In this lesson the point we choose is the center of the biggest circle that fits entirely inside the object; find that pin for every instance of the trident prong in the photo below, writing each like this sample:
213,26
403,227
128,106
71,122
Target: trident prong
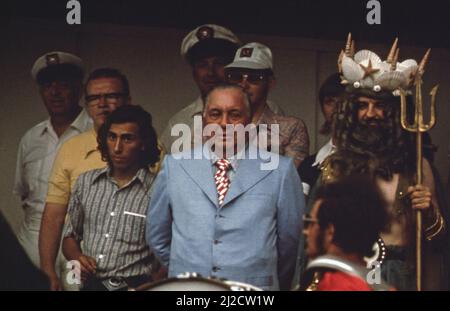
418,127
419,124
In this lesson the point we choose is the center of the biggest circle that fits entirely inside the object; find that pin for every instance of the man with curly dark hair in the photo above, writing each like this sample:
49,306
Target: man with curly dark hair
108,206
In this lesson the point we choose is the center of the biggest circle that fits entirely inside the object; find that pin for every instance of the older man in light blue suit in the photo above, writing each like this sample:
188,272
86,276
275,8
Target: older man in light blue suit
252,234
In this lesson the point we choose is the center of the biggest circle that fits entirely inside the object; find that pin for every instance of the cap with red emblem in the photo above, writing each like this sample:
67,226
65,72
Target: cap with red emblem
57,63
253,55
209,40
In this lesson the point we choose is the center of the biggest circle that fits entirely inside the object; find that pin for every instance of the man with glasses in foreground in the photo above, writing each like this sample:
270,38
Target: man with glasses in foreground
105,90
344,224
252,69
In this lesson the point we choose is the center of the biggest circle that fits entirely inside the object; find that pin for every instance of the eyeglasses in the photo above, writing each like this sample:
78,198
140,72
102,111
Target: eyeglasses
308,220
253,78
109,98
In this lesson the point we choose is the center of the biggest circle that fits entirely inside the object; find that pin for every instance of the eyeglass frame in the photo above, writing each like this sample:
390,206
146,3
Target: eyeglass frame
113,98
308,220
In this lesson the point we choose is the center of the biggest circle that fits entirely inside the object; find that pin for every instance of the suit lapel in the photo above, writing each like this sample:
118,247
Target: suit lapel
200,172
248,174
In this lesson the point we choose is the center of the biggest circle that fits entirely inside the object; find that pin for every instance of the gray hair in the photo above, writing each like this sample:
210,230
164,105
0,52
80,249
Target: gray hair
221,87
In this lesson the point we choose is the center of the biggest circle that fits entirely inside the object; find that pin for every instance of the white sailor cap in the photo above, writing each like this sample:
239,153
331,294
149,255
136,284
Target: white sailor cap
56,58
205,33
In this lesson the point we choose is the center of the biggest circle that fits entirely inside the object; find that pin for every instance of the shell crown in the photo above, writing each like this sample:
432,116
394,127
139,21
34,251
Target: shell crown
365,69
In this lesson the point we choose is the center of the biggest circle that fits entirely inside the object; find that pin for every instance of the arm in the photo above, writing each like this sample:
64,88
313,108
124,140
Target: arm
20,187
159,218
73,234
424,197
53,217
72,251
290,208
49,239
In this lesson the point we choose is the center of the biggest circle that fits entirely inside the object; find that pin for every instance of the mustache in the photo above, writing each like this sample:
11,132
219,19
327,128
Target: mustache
372,121
371,135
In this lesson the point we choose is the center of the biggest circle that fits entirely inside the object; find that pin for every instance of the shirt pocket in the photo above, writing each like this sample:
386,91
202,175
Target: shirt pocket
134,227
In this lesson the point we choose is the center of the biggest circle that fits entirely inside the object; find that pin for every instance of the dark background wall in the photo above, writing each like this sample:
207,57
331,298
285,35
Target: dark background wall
142,38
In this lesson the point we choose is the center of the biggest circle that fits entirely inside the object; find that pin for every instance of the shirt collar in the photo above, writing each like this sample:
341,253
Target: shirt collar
266,116
47,127
143,176
81,123
198,107
324,152
100,173
234,160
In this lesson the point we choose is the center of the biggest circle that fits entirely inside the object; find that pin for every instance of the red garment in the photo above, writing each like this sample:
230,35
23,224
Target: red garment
340,281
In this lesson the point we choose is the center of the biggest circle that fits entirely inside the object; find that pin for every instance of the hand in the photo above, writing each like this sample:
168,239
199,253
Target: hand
159,274
88,266
420,196
55,283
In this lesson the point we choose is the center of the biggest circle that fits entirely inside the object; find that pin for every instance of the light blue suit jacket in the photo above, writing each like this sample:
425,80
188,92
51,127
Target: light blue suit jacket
253,237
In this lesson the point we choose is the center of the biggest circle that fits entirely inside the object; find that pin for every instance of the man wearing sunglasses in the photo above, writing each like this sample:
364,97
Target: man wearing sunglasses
105,90
252,69
208,49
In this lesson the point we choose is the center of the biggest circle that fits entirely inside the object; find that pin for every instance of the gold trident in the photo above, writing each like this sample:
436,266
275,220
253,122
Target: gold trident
419,127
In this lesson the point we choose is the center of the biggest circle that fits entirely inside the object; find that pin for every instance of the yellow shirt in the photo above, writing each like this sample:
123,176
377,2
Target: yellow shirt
77,156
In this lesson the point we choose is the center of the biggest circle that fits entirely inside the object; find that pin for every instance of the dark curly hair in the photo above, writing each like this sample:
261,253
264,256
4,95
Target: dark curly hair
357,209
377,152
132,114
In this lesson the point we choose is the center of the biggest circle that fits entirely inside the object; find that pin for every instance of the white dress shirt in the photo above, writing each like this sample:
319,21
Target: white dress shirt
37,151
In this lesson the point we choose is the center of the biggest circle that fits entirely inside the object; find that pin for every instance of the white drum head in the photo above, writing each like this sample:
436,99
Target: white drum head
186,284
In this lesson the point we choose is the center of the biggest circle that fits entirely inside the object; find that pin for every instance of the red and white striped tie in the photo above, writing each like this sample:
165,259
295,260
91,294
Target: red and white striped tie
221,178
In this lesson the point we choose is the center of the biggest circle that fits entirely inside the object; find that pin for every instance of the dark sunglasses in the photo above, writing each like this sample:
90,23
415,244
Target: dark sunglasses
238,77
